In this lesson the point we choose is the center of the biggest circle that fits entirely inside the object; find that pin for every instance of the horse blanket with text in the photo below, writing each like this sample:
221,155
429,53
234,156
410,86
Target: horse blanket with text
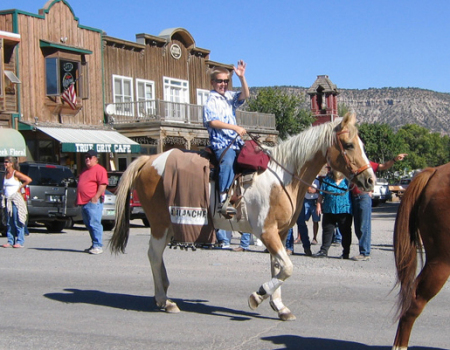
186,188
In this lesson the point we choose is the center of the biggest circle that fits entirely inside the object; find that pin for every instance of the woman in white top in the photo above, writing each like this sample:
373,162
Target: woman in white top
15,208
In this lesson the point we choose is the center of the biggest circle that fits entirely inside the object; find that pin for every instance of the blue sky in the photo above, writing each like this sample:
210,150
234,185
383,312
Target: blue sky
358,43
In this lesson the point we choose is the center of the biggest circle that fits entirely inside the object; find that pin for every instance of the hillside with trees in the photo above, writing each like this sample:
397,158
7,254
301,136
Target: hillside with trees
387,125
393,106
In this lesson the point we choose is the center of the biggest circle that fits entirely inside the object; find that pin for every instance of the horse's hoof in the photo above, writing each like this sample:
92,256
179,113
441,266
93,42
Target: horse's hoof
286,316
254,300
171,307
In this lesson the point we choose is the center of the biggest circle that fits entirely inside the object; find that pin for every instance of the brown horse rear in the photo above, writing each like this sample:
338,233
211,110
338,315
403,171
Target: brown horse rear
423,218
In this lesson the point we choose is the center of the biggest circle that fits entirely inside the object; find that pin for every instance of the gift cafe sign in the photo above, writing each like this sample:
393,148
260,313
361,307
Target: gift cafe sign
103,148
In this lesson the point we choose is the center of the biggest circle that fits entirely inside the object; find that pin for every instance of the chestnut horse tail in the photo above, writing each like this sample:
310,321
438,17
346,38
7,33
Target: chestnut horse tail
121,231
407,239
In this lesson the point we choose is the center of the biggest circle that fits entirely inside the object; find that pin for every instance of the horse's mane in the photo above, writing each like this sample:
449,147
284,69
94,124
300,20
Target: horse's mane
296,150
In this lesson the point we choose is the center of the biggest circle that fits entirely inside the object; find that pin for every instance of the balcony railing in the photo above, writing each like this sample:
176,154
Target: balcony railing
173,112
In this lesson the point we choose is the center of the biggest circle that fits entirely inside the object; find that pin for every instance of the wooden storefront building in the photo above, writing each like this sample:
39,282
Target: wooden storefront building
132,98
156,87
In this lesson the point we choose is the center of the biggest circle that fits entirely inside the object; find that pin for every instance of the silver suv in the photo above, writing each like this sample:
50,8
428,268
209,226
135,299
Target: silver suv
51,196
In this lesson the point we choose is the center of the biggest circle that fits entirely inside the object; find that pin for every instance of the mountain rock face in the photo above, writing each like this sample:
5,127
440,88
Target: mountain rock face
393,106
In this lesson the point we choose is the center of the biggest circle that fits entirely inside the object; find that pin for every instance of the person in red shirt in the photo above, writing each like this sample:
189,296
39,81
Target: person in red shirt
362,211
91,188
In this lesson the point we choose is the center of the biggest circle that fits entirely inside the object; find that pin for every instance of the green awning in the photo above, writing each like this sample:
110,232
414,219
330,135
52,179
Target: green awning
12,143
58,46
82,140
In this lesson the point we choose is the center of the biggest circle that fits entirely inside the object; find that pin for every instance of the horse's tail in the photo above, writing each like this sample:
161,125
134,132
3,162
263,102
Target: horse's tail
407,239
121,230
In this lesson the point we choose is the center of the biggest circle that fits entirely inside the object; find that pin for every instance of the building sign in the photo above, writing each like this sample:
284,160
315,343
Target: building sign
175,51
100,148
13,152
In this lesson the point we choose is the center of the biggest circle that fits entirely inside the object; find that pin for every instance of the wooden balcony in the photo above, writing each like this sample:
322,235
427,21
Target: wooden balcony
158,111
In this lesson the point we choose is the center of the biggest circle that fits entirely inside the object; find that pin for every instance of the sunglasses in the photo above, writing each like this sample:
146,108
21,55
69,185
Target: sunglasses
6,161
220,81
88,157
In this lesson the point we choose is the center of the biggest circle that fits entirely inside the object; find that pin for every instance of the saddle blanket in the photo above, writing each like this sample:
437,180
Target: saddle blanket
186,188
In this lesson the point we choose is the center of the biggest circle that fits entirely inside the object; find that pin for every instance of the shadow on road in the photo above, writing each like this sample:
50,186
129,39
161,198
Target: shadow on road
147,304
385,211
297,342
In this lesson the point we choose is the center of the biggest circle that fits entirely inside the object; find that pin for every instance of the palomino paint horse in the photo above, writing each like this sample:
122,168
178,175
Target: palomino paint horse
423,221
272,206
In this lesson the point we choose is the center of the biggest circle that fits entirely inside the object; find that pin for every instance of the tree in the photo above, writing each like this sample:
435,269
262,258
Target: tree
290,117
343,109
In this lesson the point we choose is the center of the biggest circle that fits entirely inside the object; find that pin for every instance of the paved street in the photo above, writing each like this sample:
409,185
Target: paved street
55,296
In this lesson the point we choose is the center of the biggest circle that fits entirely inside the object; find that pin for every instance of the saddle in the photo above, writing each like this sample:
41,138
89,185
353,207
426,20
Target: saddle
243,175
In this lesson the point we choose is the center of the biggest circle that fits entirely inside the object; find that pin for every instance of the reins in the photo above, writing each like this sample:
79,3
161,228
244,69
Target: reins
348,164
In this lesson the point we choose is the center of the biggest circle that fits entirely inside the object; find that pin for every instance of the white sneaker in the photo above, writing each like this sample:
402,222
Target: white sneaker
96,251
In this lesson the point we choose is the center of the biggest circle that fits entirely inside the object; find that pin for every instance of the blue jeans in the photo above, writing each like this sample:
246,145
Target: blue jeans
337,237
226,170
308,210
14,229
362,212
245,240
290,240
92,218
222,237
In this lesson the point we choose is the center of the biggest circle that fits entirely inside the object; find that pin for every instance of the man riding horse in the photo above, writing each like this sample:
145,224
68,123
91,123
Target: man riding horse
219,118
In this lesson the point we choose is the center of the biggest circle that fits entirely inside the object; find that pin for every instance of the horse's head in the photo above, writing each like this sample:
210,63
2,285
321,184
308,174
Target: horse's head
347,154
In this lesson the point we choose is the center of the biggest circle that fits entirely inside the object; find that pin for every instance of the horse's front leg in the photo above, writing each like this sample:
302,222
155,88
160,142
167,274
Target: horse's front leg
275,299
281,267
160,279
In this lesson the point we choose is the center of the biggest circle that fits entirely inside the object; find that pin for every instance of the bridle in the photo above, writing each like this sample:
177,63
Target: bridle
348,164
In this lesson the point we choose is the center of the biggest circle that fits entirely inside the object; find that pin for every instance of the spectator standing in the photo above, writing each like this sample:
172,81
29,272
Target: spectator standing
223,238
244,244
308,210
219,117
362,211
290,242
14,206
91,189
335,204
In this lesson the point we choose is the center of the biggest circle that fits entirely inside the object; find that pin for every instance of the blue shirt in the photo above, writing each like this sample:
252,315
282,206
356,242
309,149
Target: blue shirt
223,108
336,204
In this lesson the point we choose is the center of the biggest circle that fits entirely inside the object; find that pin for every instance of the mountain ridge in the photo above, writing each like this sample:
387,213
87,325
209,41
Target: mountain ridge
393,106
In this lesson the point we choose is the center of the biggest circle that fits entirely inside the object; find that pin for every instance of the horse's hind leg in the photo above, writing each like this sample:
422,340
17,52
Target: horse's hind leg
160,279
428,284
281,267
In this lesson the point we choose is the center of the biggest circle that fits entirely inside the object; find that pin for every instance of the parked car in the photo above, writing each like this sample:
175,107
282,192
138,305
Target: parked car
400,188
381,192
51,196
108,214
135,205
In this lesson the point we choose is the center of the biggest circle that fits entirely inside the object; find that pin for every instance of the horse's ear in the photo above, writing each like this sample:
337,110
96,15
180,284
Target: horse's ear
349,119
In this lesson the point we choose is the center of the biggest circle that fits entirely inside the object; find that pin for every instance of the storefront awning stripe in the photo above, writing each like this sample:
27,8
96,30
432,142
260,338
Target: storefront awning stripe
82,140
12,143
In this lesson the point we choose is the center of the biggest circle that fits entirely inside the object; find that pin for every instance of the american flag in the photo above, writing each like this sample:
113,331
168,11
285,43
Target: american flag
70,96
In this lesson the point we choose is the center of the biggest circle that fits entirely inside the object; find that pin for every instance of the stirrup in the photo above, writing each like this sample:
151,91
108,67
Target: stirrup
226,209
